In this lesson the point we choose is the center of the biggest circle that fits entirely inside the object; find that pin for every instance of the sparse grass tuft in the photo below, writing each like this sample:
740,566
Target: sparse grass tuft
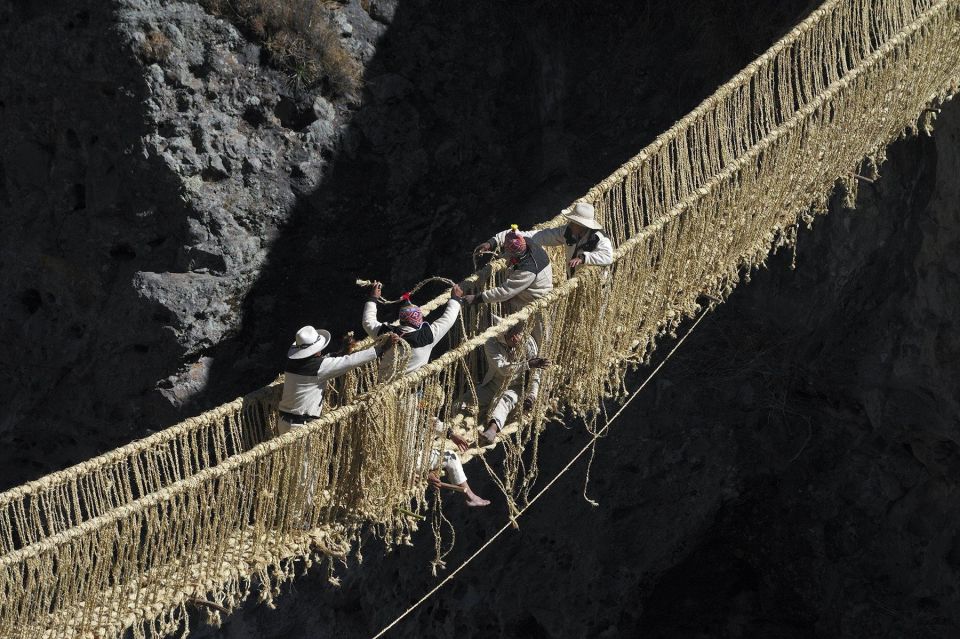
299,38
156,47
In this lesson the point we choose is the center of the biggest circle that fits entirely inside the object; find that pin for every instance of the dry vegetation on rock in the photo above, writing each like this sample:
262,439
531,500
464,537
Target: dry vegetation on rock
156,47
299,38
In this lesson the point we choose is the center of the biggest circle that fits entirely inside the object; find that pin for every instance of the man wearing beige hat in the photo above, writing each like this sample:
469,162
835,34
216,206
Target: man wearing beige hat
582,235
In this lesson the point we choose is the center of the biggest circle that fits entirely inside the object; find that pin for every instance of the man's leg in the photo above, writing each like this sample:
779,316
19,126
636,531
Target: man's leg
455,475
484,397
498,418
308,481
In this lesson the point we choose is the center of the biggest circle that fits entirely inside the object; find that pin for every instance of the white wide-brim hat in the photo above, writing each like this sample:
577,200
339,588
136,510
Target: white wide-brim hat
309,342
583,214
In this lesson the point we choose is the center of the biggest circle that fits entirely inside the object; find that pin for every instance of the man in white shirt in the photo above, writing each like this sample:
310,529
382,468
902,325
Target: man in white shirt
422,336
305,378
582,236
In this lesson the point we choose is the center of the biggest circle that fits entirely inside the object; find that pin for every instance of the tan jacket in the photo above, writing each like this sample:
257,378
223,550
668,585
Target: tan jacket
529,280
505,365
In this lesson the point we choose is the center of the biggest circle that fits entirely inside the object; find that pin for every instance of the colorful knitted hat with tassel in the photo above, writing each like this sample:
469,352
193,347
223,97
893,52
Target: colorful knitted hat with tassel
410,314
514,244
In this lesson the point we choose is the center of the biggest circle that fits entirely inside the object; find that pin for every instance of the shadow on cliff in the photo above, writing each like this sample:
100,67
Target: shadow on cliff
473,118
83,213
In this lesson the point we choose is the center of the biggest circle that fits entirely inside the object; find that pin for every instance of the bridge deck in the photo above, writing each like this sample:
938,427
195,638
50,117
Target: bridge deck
239,556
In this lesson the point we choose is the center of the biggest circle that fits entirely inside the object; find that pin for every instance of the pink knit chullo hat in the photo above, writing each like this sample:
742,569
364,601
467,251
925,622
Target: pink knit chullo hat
410,314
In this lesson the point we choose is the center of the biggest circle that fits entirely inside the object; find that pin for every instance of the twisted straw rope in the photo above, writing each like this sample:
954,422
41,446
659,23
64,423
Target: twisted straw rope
419,285
155,441
511,522
413,378
668,285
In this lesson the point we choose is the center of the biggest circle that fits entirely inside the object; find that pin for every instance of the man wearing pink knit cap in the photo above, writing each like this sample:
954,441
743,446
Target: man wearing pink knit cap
422,336
529,276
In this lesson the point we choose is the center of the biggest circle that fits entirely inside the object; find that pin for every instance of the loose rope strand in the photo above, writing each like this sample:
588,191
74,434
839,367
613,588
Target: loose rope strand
512,521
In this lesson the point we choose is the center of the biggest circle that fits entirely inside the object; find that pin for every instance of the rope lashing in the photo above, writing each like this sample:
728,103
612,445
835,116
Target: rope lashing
512,521
419,285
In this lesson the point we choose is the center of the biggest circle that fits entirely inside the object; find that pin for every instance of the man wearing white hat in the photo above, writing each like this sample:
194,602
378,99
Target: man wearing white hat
305,378
306,374
582,236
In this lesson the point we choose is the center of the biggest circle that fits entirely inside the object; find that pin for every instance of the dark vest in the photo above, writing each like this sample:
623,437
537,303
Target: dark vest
534,260
423,336
588,246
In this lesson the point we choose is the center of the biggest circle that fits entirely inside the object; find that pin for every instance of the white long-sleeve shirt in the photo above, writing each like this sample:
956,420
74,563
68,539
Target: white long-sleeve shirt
599,255
420,355
305,379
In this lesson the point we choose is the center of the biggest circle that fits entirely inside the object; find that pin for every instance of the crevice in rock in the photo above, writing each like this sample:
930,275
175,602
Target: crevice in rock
31,300
293,115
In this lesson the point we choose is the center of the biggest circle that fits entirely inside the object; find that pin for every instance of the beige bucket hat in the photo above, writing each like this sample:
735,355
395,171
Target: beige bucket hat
583,214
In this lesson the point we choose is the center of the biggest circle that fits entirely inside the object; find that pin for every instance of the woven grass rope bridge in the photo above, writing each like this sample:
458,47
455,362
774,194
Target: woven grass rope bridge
211,509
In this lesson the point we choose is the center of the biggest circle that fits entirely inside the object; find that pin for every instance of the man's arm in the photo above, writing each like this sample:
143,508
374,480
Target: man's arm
516,282
548,237
538,364
371,325
370,322
499,360
443,325
331,367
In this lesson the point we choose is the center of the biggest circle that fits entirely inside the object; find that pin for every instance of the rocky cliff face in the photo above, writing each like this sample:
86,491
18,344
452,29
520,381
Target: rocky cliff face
175,209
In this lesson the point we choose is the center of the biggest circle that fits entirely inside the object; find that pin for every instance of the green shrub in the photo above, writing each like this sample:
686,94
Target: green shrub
299,38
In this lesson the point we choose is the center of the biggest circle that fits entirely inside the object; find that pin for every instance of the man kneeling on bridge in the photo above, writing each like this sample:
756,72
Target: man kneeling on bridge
508,356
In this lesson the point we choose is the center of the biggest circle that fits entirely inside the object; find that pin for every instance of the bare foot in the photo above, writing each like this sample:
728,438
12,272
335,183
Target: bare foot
476,501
